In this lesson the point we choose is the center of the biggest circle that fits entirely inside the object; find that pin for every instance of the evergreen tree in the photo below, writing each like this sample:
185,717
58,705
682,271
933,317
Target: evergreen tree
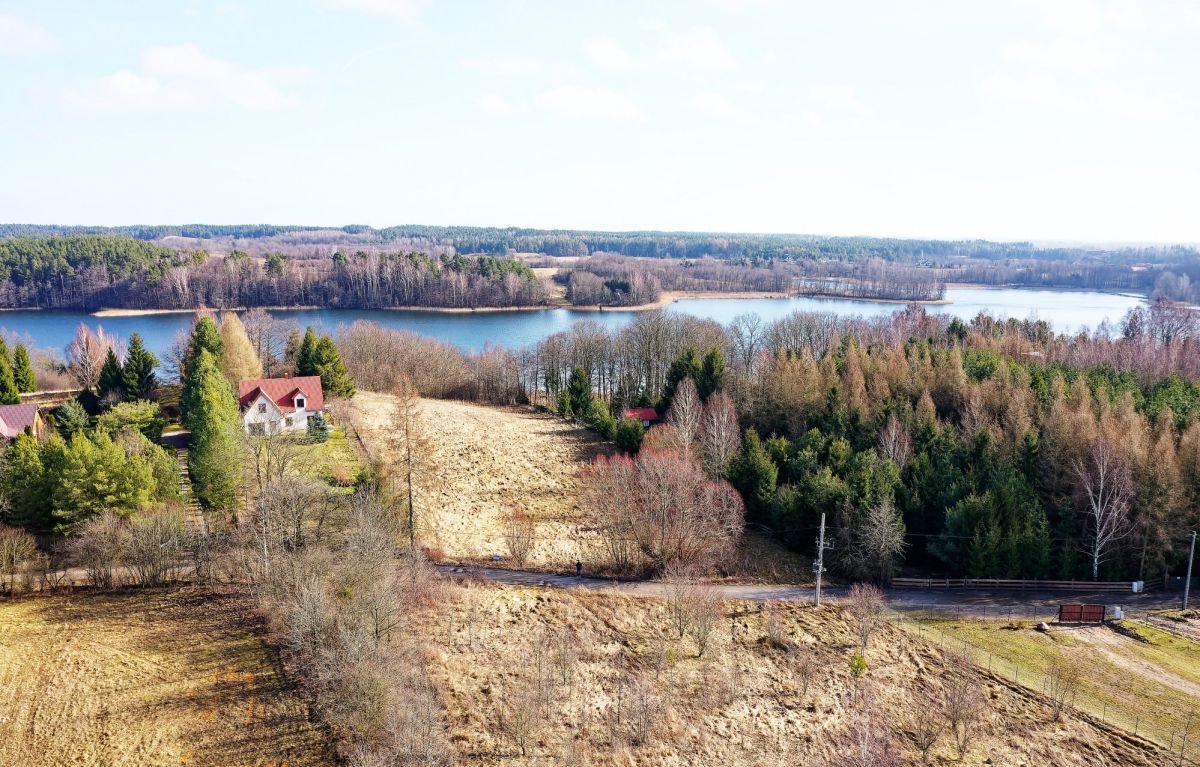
98,475
71,419
141,416
24,485
598,419
306,355
239,361
754,474
712,374
205,338
9,394
327,363
215,453
318,428
629,434
579,389
111,384
23,374
687,365
138,375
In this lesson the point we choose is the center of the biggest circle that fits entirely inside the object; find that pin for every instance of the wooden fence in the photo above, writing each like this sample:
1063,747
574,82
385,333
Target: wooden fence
1015,585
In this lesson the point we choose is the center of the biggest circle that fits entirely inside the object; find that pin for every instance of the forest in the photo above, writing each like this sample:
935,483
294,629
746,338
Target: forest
460,267
97,271
982,449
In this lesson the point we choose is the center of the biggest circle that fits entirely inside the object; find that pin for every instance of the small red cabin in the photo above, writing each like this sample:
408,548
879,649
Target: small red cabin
647,415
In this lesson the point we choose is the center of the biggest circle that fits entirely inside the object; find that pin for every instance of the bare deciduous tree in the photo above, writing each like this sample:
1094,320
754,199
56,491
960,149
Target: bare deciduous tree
17,549
686,414
99,547
1105,484
865,606
962,704
894,443
155,546
519,534
720,437
1063,677
86,353
924,726
412,452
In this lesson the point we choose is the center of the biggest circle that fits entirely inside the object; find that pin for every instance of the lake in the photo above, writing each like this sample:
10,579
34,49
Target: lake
1067,311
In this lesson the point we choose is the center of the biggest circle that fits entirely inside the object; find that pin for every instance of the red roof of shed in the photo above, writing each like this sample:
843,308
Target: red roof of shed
283,391
641,414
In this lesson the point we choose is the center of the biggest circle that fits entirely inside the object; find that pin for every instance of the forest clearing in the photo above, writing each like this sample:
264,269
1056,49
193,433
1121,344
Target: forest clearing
147,678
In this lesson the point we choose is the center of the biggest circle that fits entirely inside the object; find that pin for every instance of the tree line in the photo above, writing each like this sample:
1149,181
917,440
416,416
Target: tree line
90,271
971,449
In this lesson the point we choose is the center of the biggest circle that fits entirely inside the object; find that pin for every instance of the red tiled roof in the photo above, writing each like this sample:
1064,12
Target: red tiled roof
14,419
641,414
283,391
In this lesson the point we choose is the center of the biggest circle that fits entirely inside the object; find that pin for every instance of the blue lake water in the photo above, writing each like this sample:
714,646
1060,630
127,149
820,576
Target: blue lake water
1066,311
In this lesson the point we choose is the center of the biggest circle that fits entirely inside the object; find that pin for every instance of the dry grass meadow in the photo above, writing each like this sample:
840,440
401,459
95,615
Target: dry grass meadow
486,460
146,678
611,683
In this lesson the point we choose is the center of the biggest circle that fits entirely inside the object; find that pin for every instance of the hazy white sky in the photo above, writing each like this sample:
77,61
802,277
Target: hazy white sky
1041,119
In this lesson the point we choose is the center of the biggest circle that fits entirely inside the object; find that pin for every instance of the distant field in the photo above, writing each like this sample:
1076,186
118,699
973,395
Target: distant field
145,679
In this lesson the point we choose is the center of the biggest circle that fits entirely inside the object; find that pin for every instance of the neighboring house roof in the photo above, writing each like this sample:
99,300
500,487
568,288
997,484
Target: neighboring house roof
14,419
283,392
641,414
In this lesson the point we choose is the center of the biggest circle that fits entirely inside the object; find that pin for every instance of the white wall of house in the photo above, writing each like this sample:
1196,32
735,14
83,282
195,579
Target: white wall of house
263,417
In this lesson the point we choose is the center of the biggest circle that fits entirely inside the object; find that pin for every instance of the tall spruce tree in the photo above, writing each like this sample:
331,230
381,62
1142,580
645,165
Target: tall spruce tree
215,452
205,338
23,374
306,356
712,374
327,363
686,365
9,394
138,376
111,383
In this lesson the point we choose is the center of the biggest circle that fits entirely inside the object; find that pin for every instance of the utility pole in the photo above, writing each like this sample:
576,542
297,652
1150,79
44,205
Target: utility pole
819,565
1187,584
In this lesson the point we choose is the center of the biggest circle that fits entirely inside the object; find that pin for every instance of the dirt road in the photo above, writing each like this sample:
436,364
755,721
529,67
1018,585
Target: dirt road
983,603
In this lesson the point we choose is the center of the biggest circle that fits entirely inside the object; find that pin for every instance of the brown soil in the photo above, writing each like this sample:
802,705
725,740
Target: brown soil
147,678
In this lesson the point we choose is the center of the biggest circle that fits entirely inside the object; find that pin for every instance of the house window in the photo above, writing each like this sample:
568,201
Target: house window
299,403
288,421
262,407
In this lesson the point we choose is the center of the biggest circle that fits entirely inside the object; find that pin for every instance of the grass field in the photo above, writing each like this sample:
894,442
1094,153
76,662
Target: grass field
613,665
1151,684
146,678
486,460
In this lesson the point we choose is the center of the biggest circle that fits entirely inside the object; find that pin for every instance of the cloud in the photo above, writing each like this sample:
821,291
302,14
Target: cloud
503,65
841,99
1087,17
183,78
496,105
698,49
1070,54
599,103
607,53
1131,105
404,10
717,105
21,37
1030,89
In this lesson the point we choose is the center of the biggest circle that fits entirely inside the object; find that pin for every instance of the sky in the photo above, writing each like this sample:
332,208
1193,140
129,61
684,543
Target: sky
1047,120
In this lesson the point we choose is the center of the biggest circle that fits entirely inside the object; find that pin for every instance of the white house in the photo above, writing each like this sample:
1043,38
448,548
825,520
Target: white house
273,405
